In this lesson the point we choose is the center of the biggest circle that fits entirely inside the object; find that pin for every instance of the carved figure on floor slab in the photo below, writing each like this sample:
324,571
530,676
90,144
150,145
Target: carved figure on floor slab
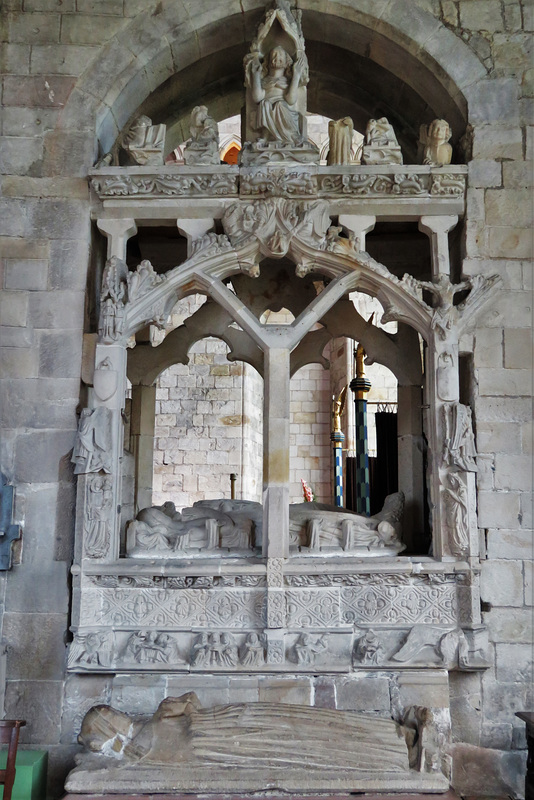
340,134
381,145
204,145
182,735
434,141
145,142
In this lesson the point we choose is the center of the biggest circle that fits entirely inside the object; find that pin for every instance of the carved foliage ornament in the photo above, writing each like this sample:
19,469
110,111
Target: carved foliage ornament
166,185
274,222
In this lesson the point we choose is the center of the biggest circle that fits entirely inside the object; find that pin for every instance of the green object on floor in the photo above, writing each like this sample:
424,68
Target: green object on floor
30,778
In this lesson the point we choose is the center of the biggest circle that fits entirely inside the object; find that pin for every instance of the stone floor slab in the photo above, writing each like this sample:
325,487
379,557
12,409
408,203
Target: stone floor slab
450,795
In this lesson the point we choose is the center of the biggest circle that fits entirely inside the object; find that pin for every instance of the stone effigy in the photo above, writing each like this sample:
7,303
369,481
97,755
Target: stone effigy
381,145
242,746
212,526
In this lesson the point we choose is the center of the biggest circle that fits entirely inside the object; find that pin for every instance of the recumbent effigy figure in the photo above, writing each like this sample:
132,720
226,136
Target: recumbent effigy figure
236,525
184,744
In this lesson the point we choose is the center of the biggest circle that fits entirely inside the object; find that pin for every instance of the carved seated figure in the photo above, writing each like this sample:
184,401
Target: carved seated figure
204,145
145,142
381,145
183,742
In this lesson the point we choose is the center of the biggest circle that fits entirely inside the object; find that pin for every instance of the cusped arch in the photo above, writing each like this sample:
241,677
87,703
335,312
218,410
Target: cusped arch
205,274
165,53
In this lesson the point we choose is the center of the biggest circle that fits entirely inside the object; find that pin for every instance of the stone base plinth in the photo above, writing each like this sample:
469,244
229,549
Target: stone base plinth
450,795
243,780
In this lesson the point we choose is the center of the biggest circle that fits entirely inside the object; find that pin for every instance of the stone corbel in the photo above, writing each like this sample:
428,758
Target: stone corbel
117,232
437,229
194,229
358,226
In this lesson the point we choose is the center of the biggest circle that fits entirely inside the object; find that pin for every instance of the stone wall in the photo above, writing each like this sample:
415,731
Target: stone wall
71,67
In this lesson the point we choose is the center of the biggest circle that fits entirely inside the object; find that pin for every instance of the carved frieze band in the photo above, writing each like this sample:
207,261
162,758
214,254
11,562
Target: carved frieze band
165,185
284,182
147,601
151,649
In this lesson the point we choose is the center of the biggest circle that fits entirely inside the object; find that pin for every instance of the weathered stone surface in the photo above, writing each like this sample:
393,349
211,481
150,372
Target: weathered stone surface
60,354
210,690
74,188
498,509
25,274
137,694
59,309
517,348
20,156
41,634
62,397
499,773
501,583
514,662
509,544
285,690
362,694
68,264
14,309
89,29
43,457
20,363
509,624
39,703
42,92
81,693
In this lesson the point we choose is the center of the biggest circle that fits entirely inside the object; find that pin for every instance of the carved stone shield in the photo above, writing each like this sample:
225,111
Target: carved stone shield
105,383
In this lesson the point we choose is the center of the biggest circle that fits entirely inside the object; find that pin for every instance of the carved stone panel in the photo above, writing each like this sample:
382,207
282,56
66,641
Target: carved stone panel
384,601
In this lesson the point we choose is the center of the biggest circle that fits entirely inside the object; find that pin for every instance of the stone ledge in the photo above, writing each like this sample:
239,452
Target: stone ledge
450,795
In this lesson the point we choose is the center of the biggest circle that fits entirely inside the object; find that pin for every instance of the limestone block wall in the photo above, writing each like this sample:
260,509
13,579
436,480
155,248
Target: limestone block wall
70,66
208,425
310,433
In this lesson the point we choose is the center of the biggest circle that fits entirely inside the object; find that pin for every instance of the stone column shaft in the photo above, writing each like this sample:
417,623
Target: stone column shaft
142,424
276,453
410,460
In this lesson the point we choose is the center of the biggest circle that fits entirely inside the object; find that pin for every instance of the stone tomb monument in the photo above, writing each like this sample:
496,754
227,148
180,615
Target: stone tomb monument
282,616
